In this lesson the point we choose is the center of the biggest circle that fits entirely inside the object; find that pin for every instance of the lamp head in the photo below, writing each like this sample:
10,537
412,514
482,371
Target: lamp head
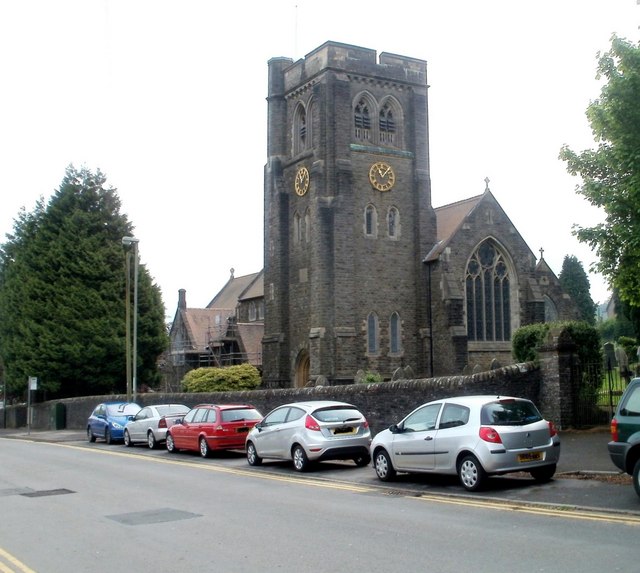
127,241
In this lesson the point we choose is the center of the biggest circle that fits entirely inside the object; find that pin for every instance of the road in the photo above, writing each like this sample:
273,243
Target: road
77,507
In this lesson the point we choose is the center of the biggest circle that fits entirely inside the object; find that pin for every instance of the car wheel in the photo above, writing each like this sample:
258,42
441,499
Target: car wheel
171,445
127,439
252,455
636,477
151,441
543,474
471,473
205,450
107,436
90,435
362,461
300,459
384,469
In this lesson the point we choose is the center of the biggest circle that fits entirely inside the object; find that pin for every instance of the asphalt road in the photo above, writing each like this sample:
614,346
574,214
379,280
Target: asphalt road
75,506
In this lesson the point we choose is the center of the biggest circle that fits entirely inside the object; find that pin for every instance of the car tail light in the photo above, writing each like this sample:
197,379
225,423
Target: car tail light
552,430
488,434
614,430
365,424
162,423
311,424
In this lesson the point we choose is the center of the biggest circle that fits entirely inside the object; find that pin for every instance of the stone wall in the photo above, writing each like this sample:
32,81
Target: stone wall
383,404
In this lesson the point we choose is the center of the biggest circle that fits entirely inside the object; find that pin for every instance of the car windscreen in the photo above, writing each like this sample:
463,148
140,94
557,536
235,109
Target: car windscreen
241,415
509,413
339,414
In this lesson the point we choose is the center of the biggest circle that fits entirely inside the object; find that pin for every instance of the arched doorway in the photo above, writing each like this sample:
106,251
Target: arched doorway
302,369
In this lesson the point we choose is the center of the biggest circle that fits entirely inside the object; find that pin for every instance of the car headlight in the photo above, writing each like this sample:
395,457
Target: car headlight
116,426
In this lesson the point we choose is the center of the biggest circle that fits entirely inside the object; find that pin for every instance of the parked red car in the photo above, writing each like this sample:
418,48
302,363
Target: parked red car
210,427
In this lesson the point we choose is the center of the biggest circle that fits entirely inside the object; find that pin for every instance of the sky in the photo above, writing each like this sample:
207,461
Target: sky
168,99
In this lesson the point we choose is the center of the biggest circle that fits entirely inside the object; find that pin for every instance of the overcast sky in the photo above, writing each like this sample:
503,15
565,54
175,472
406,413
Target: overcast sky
167,98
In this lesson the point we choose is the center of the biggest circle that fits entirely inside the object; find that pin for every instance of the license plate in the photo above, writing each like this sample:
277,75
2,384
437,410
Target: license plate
530,457
343,431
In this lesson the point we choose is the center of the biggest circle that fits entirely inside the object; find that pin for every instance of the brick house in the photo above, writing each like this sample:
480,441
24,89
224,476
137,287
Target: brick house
227,331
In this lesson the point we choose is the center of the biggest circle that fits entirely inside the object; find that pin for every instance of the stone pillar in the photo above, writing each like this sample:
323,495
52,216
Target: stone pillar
558,389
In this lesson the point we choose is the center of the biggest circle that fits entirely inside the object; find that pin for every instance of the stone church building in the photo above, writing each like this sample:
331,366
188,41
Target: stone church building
361,272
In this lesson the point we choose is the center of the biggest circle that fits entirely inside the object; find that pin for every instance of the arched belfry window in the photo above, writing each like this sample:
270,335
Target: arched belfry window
372,333
390,122
488,294
362,120
387,125
299,135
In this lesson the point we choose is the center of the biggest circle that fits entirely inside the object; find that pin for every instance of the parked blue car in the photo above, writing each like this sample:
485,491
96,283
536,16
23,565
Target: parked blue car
107,421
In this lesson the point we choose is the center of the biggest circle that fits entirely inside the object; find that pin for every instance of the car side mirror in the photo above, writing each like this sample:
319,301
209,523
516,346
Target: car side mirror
395,429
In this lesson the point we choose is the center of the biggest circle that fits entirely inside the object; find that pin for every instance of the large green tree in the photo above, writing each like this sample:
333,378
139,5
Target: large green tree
610,174
62,295
575,282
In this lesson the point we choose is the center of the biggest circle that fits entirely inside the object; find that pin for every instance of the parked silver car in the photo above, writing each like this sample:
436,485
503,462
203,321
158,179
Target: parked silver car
471,436
151,423
313,431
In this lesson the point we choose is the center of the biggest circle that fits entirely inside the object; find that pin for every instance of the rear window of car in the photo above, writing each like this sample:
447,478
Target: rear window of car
631,406
241,415
339,414
509,413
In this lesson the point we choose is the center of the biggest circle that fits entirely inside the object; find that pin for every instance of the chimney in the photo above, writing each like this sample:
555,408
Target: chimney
182,299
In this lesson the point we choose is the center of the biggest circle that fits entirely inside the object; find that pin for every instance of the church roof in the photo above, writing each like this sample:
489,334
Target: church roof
449,218
204,324
238,288
250,335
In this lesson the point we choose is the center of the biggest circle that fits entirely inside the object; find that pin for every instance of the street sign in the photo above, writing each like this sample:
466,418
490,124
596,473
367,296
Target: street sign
33,383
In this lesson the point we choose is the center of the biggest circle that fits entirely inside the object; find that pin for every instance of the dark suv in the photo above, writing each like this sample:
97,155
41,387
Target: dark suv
624,447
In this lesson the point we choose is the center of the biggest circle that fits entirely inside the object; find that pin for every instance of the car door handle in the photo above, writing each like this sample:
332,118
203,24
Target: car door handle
428,438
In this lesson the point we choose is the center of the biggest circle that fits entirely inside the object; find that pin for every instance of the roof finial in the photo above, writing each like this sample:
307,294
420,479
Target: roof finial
232,270
541,253
486,182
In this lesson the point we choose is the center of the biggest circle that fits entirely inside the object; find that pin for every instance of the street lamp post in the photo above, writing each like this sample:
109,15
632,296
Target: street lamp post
132,362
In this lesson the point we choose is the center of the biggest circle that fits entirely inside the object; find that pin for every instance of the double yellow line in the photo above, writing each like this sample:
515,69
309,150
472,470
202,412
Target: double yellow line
9,564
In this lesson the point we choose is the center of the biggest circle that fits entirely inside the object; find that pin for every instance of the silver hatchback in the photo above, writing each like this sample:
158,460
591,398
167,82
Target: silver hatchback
312,431
471,436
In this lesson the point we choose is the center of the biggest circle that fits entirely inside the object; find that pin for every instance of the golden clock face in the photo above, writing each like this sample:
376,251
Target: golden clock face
302,181
382,176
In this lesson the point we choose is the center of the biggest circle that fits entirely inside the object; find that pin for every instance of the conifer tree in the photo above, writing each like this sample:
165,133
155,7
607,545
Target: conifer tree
62,295
574,282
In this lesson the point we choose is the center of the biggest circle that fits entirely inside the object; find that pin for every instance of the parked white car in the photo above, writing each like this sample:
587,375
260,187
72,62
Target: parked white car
471,436
313,431
150,424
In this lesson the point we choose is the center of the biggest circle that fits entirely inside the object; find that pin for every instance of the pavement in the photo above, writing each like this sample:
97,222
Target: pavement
583,451
585,479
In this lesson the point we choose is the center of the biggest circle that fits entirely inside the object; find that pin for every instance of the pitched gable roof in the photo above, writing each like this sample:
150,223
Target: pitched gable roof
237,289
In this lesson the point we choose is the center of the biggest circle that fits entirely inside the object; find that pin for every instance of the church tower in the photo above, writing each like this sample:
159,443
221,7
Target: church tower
347,217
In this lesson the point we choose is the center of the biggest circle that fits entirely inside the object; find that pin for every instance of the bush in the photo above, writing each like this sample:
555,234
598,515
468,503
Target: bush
527,339
630,346
230,378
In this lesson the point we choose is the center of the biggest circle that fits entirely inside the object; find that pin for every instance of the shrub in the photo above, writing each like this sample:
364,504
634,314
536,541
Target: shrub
230,378
527,339
630,346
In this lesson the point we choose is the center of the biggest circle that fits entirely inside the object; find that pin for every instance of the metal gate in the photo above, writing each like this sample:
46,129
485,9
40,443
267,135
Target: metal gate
597,391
